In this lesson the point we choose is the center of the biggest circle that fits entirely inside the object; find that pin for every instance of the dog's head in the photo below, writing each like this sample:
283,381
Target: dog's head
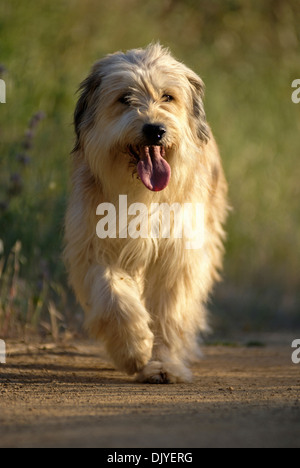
139,109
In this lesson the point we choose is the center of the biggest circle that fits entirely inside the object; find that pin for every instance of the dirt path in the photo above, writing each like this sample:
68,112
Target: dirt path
68,396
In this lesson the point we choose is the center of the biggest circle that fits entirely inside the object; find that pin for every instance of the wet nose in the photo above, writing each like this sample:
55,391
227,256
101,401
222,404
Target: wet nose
153,133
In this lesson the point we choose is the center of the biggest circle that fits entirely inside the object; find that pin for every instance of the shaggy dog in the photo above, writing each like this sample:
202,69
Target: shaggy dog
142,133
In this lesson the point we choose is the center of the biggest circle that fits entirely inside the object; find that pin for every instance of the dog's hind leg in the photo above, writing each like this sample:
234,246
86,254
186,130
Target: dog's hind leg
118,317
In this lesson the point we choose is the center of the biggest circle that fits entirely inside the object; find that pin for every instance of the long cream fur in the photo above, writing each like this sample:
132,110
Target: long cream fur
144,298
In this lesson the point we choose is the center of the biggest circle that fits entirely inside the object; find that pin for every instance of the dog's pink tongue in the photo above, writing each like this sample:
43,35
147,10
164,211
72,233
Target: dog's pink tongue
153,169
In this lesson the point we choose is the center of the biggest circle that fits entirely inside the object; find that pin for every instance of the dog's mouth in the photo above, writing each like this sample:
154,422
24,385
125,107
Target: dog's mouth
153,170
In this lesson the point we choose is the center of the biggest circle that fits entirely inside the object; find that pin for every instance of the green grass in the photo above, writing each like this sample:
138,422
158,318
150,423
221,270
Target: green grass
248,55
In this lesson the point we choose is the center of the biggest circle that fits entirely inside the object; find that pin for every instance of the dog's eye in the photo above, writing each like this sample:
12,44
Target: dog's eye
167,98
125,99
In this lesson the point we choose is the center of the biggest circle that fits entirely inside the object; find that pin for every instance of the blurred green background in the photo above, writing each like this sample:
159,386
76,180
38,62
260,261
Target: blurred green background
246,51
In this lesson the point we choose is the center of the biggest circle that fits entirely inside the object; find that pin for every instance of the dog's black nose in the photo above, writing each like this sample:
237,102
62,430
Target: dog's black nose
153,133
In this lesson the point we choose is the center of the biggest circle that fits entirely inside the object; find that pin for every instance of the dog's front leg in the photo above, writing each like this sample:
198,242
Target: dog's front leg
118,317
177,315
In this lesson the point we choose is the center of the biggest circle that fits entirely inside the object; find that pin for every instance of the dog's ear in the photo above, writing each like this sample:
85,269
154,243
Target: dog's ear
197,88
85,108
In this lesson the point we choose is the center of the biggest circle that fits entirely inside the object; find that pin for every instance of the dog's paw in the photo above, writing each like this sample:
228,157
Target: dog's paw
132,365
156,372
132,359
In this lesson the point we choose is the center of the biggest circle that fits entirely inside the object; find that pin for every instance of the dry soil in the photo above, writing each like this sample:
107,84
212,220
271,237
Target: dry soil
68,395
